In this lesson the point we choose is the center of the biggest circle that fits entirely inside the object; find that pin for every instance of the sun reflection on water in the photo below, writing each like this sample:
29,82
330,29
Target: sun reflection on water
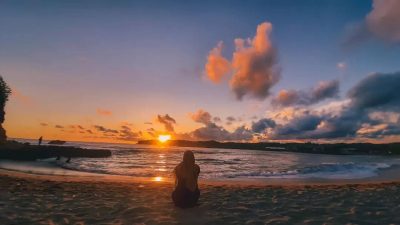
158,179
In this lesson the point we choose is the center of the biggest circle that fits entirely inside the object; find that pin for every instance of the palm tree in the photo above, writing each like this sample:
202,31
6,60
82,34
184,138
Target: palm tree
5,92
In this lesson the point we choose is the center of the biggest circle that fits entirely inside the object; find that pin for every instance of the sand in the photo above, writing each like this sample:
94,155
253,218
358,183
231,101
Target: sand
36,199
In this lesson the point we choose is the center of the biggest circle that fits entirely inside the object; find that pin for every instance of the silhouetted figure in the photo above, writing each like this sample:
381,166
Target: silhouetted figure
58,157
40,140
186,173
68,160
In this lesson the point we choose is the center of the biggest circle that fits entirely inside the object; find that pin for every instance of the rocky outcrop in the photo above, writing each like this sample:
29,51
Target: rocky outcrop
56,142
19,151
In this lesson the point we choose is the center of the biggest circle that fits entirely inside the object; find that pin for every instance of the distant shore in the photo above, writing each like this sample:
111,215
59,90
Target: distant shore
38,199
315,148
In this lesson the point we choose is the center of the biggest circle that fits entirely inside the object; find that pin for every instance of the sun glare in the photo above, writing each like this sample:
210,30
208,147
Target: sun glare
157,179
164,138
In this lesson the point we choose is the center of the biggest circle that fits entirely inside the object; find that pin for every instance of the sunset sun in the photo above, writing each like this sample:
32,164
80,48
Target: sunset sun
164,138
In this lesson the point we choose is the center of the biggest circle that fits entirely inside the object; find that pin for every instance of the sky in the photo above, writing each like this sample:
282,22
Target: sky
259,70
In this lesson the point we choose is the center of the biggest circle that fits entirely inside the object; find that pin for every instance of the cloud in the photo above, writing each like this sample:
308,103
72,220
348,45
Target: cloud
44,124
323,90
104,112
230,119
124,127
151,132
217,119
167,121
368,130
370,112
355,34
59,126
201,116
105,130
299,127
127,134
254,66
385,117
383,22
217,66
212,131
377,91
262,124
341,65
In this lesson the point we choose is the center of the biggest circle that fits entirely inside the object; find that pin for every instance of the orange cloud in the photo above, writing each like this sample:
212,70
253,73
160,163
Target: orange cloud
217,66
104,112
286,97
254,65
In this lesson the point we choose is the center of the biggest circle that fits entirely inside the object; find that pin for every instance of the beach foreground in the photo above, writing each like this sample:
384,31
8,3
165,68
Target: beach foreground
30,199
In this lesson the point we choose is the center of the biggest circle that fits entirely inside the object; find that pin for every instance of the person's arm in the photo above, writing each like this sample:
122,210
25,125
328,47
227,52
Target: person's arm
197,170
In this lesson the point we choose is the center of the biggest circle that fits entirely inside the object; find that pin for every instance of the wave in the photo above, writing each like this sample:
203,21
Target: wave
323,170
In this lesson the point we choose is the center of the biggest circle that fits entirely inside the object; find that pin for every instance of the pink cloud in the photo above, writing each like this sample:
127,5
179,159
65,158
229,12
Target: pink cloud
384,20
201,116
254,65
217,66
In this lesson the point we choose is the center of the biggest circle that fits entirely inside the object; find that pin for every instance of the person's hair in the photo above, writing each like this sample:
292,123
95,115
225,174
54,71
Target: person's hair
188,159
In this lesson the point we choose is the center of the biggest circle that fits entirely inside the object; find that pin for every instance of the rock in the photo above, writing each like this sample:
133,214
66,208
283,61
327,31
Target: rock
18,151
56,142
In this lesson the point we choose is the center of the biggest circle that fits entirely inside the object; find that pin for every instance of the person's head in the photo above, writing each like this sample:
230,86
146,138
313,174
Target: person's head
188,158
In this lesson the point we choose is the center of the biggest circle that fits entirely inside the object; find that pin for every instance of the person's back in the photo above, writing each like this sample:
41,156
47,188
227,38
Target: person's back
186,173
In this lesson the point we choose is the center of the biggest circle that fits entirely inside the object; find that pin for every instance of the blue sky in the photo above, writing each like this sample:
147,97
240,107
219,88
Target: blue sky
143,58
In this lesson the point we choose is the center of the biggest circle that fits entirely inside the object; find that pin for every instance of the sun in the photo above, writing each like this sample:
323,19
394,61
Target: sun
164,138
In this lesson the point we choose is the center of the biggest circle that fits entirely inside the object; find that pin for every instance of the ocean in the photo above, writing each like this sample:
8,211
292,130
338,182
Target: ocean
216,164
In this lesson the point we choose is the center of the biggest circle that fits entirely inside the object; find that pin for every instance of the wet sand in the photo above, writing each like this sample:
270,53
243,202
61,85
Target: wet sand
37,199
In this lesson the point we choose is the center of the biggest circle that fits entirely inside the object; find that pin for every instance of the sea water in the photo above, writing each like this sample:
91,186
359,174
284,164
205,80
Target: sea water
218,164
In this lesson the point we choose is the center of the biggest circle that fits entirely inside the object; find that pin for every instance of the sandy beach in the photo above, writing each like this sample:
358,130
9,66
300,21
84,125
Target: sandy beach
39,199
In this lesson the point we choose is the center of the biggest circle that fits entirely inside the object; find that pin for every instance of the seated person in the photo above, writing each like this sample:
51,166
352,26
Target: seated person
186,173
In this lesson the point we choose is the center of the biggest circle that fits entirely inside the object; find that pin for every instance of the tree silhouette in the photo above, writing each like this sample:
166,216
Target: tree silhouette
5,92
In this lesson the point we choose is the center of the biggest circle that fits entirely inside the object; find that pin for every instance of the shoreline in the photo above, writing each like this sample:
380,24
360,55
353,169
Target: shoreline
84,177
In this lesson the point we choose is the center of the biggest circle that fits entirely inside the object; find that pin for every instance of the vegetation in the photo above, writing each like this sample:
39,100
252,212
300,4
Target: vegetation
5,92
